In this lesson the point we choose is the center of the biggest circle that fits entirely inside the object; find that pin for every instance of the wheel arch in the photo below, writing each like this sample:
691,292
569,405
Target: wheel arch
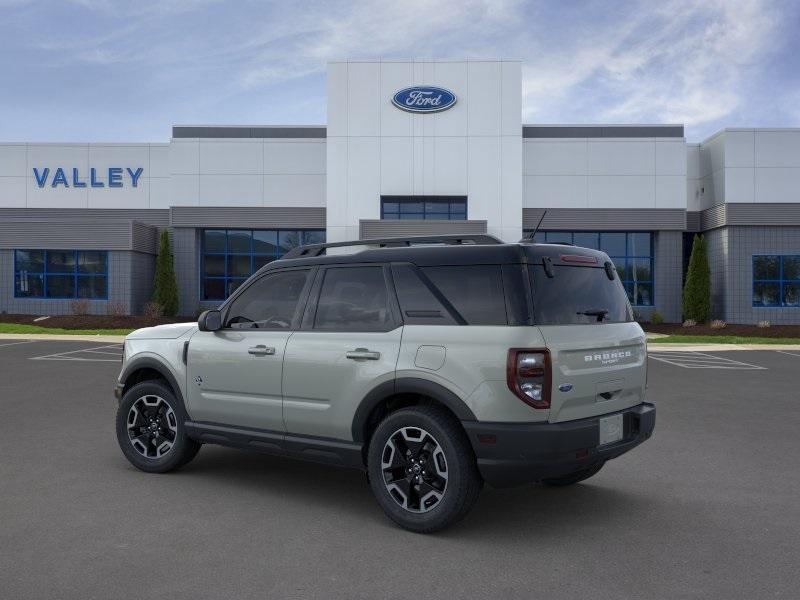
399,393
147,368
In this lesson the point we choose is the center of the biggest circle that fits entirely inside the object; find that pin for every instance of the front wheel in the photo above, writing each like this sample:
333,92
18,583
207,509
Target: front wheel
150,428
422,469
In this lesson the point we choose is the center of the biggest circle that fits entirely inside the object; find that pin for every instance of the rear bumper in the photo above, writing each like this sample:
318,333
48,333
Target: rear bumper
528,452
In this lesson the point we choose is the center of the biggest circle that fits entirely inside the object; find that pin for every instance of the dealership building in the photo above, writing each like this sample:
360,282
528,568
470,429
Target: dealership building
409,148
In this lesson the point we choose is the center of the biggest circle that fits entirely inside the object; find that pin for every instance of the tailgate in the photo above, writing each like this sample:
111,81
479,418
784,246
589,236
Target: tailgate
597,369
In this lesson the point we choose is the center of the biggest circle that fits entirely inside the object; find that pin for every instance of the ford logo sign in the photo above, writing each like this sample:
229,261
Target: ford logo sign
424,99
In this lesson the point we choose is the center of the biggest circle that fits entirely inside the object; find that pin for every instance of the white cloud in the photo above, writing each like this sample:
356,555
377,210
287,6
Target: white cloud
686,62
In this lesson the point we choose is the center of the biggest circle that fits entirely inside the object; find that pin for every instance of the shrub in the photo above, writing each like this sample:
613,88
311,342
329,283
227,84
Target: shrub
689,323
115,309
718,324
656,318
153,310
697,290
165,286
79,307
763,324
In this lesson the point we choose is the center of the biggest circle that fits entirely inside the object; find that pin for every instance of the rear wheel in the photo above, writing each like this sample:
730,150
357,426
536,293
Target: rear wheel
575,477
422,469
150,428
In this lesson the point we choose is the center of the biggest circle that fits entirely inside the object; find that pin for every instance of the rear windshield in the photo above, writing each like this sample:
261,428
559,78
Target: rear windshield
578,295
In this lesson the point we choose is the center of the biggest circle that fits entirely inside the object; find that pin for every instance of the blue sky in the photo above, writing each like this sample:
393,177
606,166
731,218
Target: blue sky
100,70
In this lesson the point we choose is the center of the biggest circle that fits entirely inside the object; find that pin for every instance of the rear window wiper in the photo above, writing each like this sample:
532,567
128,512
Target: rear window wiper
600,313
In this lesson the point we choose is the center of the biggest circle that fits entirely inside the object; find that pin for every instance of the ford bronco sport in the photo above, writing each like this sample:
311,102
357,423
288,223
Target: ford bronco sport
433,364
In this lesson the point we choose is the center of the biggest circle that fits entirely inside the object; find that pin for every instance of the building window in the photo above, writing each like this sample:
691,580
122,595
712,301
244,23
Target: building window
230,256
776,280
65,274
631,251
443,208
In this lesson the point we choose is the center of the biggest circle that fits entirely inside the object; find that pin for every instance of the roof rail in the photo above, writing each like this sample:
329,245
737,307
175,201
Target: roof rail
311,250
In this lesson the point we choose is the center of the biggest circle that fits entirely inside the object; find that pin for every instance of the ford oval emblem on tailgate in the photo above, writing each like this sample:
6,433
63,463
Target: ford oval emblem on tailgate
565,387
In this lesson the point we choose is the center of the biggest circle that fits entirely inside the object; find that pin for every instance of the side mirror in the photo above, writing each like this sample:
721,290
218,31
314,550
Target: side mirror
210,320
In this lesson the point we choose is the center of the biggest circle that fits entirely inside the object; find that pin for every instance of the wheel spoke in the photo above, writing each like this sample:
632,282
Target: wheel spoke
145,414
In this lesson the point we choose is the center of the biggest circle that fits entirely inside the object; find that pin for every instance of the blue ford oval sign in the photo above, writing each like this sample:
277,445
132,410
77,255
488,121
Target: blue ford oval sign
424,99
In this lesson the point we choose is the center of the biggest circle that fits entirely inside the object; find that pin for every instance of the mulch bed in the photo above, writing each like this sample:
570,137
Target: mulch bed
775,331
93,321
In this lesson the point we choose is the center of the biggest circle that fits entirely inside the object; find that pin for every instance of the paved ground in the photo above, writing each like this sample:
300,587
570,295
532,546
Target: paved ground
709,508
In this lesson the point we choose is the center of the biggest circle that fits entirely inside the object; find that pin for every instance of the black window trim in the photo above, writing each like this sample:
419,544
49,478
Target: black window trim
310,312
448,306
299,309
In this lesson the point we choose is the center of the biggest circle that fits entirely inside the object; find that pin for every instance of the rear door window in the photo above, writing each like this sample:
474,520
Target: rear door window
475,291
354,299
578,296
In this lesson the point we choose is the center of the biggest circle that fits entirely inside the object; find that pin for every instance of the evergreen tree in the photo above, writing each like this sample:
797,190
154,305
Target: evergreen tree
165,286
697,289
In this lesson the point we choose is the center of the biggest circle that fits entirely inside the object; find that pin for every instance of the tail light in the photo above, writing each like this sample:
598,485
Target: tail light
528,375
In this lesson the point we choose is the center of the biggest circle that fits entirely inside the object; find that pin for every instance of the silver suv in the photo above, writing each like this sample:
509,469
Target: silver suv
433,364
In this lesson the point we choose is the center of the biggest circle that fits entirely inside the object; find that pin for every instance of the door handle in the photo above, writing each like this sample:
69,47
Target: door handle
363,353
261,350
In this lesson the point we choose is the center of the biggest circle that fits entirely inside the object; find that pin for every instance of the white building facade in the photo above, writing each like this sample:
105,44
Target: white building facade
410,147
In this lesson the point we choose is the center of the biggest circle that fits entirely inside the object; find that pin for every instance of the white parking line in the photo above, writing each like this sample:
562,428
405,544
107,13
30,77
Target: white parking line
19,342
789,353
701,360
101,350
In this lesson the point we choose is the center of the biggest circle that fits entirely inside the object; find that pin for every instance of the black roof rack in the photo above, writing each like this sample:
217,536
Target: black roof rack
311,250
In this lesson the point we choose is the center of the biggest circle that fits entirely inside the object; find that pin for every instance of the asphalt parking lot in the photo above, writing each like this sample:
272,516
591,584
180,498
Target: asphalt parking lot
708,508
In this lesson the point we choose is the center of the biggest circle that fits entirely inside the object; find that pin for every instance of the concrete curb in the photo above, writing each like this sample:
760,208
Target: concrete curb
44,337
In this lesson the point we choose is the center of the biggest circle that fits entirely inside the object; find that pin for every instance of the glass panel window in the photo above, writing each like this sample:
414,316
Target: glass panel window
91,286
791,268
586,240
776,280
239,242
269,303
353,299
60,261
613,244
766,267
476,292
92,262
631,252
29,285
60,274
230,256
424,207
214,240
60,286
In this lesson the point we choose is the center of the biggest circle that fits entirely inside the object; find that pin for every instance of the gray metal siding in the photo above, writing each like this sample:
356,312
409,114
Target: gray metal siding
188,131
693,221
72,235
246,217
601,131
376,228
144,238
605,219
152,216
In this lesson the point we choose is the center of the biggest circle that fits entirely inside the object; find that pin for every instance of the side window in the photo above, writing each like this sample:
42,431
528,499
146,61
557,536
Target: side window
270,303
418,303
476,292
353,299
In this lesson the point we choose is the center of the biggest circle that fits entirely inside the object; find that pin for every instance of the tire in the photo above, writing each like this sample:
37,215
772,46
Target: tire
575,477
151,409
417,498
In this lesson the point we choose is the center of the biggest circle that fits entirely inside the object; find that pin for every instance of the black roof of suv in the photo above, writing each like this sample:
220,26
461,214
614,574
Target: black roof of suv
443,250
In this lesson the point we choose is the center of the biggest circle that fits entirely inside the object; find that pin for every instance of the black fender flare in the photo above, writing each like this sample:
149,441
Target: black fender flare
148,362
407,385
